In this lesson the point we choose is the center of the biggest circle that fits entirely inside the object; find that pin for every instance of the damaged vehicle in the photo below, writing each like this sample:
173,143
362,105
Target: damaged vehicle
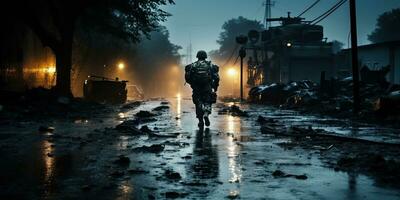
105,90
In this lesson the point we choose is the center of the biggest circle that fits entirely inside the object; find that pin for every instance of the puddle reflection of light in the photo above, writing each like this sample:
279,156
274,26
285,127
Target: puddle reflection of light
178,108
123,142
233,127
233,124
48,160
234,166
125,191
121,115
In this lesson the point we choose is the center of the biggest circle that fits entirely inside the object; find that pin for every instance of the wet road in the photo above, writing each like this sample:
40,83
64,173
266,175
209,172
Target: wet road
229,160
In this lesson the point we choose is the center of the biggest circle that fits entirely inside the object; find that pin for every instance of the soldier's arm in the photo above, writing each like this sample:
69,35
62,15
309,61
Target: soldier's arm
187,73
215,77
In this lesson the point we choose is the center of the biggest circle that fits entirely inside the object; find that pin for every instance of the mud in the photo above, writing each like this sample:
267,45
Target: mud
88,157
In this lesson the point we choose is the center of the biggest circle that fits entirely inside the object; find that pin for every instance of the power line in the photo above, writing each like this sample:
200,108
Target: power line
231,56
307,9
328,12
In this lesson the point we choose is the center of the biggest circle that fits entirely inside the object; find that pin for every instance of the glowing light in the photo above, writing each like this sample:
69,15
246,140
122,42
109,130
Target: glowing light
51,70
121,66
289,44
175,69
232,71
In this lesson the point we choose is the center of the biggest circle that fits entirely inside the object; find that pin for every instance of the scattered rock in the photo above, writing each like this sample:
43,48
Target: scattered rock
175,195
122,160
137,171
117,174
46,129
172,175
187,157
144,114
155,148
145,129
233,195
281,174
129,127
161,108
264,120
234,111
164,135
131,105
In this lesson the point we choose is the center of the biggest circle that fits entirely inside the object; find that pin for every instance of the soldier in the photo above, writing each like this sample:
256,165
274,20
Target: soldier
203,77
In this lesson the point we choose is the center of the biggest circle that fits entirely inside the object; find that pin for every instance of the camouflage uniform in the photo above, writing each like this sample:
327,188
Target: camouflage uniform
203,95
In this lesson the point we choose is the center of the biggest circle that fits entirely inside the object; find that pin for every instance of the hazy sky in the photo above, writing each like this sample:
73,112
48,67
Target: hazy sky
200,21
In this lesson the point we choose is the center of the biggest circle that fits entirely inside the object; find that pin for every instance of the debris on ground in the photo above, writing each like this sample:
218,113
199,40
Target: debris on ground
233,110
172,175
385,170
131,105
145,129
233,195
164,135
137,171
332,97
122,160
145,114
161,108
281,174
389,104
155,148
129,127
175,195
49,129
264,120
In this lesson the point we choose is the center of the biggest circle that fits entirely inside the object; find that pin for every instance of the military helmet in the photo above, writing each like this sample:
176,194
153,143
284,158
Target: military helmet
202,55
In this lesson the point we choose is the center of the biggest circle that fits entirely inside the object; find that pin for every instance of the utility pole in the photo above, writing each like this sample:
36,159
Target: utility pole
242,54
267,13
354,57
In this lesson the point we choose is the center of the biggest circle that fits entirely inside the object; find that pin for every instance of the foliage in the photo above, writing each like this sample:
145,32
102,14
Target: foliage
387,27
230,30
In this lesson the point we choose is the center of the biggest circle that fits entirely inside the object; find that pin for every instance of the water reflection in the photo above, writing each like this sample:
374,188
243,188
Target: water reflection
233,124
125,191
233,127
234,166
205,163
48,170
178,109
352,184
48,159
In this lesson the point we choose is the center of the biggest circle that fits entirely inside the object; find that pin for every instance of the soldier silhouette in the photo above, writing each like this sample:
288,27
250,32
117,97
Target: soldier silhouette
203,78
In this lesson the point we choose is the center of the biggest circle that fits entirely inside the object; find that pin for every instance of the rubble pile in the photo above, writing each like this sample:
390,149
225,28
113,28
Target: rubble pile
333,97
233,110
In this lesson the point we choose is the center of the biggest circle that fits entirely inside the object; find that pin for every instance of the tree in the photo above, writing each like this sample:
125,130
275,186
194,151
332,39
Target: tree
230,30
55,22
158,59
387,27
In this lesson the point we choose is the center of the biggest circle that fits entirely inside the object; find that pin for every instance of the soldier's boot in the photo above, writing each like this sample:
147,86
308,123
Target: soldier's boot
206,121
201,123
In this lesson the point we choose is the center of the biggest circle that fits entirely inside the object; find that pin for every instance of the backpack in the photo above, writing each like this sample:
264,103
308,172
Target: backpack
200,73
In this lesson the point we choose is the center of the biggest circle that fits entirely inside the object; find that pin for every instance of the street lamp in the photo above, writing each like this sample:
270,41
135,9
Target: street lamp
232,72
121,66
